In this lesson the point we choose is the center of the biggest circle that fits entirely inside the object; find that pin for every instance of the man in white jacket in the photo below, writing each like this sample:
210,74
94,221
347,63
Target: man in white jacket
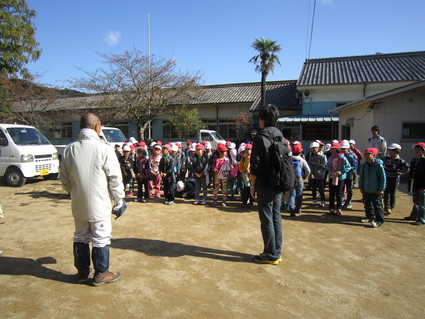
90,172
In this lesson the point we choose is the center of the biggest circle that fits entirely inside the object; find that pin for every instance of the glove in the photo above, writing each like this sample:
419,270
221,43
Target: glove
119,208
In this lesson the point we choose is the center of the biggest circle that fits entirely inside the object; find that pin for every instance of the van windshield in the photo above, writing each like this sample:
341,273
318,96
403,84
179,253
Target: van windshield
27,136
114,136
217,136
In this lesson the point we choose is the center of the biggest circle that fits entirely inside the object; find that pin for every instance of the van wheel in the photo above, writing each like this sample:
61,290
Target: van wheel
14,177
51,176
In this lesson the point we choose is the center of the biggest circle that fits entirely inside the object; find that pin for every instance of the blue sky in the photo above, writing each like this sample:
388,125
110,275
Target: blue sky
215,37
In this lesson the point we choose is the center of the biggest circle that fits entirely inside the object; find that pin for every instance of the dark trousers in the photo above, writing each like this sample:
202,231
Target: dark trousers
318,185
390,192
271,222
336,191
373,207
246,197
348,183
143,188
169,189
100,257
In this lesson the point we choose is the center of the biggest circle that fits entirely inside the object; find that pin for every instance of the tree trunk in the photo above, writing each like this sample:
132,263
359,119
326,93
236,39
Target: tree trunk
263,88
142,129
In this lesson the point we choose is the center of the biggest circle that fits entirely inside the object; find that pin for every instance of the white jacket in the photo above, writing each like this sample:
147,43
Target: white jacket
90,172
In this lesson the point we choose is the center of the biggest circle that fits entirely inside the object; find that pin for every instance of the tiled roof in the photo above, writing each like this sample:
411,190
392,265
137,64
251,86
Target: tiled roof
393,67
305,119
282,94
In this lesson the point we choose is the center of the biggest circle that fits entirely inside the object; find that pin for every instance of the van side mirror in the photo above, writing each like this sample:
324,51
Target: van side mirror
3,141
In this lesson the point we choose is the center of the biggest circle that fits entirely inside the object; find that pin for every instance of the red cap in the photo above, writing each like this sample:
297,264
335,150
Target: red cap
371,150
420,144
142,144
204,142
167,146
179,144
189,143
132,147
221,147
200,147
335,145
159,143
297,148
228,142
248,146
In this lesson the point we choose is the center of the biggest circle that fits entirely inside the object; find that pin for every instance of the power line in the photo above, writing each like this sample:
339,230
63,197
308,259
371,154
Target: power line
311,31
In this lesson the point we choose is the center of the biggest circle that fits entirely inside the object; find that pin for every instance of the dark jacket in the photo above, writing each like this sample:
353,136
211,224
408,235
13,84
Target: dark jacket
417,174
200,164
166,165
260,155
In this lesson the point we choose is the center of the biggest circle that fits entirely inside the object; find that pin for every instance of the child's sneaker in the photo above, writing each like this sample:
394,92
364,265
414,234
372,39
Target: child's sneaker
214,202
262,259
196,202
204,202
349,205
338,212
223,203
171,203
314,202
166,202
323,204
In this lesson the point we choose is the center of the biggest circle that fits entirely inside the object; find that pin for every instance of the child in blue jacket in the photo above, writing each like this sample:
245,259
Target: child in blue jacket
338,167
372,185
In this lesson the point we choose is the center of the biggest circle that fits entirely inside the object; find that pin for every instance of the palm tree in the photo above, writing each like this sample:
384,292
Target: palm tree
265,61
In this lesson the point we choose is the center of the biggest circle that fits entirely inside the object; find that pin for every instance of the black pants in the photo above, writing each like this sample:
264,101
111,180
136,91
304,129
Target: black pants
247,199
390,192
100,257
373,207
169,189
338,192
143,183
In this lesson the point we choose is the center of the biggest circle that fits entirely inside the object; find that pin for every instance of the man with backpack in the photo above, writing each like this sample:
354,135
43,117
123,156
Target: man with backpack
271,173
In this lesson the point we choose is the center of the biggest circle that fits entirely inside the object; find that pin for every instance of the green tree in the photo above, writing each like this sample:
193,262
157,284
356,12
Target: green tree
186,121
265,61
17,37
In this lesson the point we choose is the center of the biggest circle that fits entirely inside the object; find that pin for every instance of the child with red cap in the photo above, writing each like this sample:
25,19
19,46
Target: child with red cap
166,168
372,185
222,169
200,171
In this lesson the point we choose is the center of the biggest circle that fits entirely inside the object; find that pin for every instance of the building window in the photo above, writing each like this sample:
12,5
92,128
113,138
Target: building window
64,130
320,131
413,130
168,131
123,127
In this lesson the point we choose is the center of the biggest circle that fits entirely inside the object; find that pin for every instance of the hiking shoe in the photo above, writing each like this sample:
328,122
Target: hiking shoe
83,276
376,224
106,277
262,259
279,259
204,202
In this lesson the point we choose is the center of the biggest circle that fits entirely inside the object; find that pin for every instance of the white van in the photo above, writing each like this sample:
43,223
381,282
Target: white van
111,135
24,153
210,136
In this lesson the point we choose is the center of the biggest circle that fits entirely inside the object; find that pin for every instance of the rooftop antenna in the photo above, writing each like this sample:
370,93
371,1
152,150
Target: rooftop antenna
311,31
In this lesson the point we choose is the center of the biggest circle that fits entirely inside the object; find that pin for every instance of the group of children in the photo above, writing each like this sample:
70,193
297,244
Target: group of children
174,170
228,169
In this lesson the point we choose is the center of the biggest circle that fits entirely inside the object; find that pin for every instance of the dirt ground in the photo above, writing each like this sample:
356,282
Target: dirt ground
186,261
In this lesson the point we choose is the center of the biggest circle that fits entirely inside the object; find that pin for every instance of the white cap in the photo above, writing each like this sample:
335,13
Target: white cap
327,147
314,144
174,147
208,146
180,186
345,144
335,141
157,146
126,148
132,140
241,149
193,147
352,142
394,146
232,145
152,144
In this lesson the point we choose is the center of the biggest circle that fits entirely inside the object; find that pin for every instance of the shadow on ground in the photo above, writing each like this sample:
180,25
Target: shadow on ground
161,248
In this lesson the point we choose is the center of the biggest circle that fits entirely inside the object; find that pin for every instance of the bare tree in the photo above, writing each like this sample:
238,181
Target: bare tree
138,88
28,102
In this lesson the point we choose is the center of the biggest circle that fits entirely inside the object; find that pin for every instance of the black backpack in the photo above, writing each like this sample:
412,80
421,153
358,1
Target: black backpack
280,171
